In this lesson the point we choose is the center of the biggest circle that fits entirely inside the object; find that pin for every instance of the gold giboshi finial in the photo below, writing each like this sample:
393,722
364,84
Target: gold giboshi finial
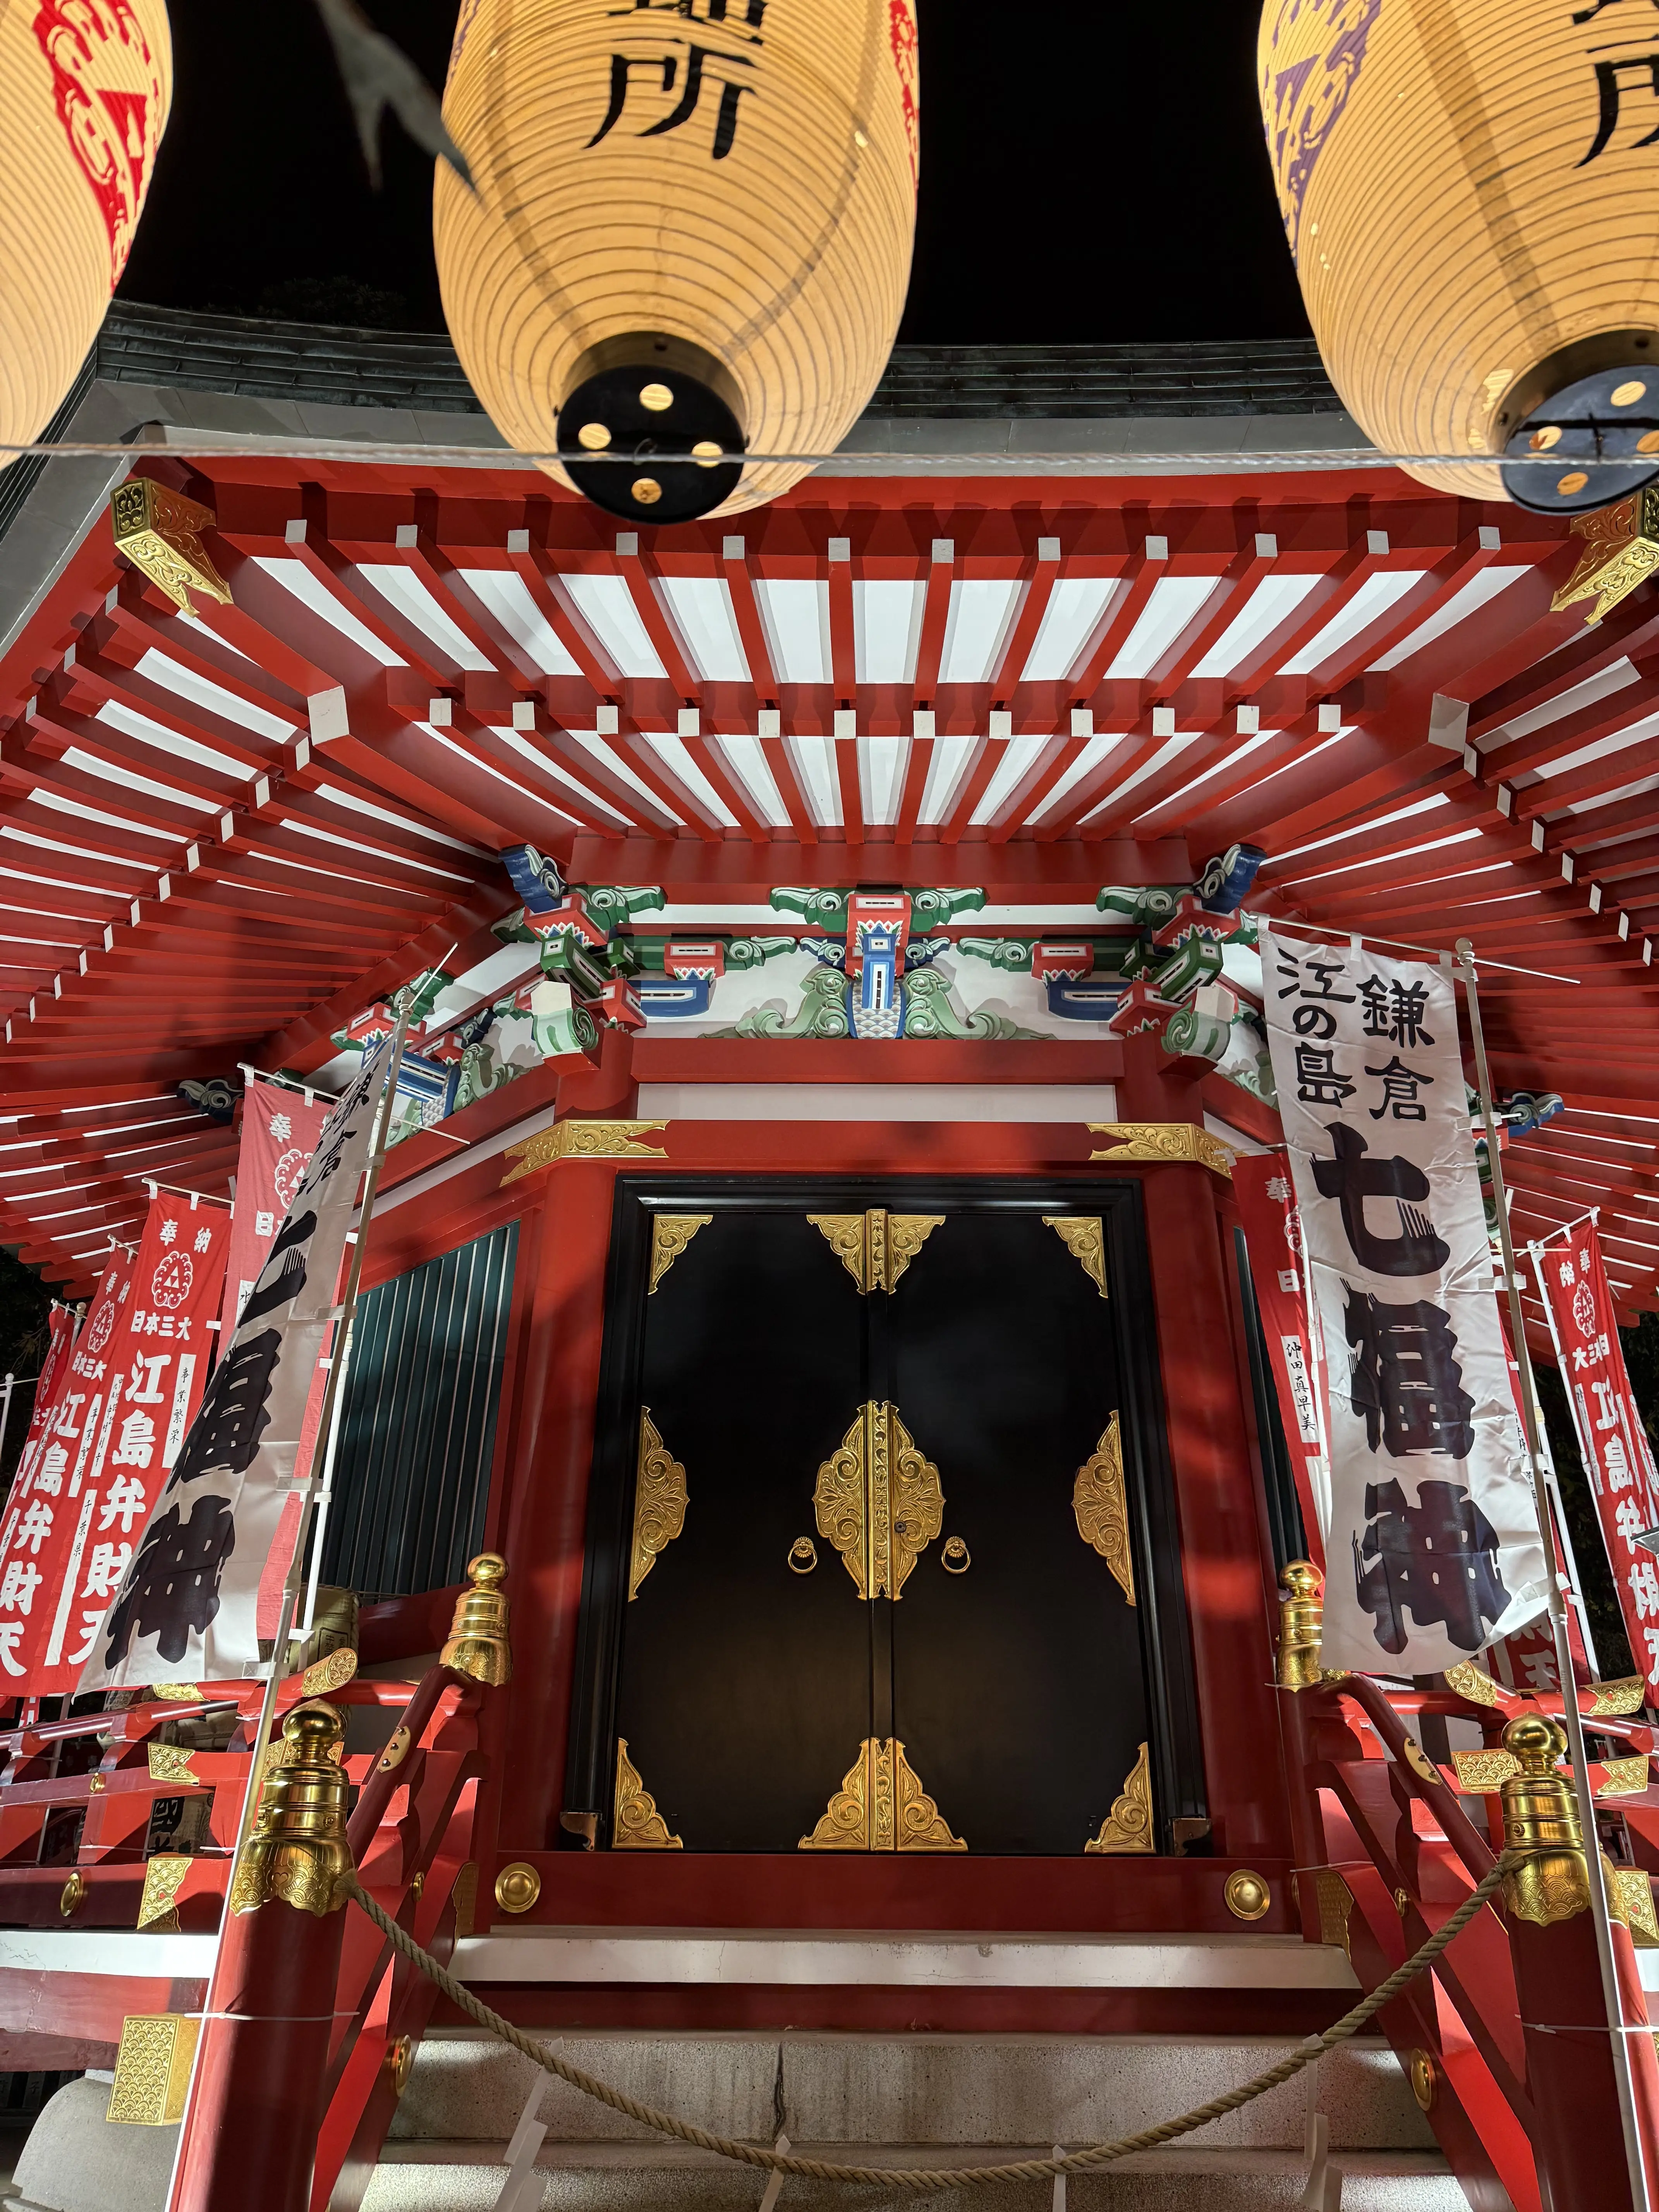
478,1641
298,1850
1301,1627
1542,1820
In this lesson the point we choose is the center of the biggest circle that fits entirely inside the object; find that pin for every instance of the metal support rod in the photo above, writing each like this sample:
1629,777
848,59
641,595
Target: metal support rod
1571,1718
325,1492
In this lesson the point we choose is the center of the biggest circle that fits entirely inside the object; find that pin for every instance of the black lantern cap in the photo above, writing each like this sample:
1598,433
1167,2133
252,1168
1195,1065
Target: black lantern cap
650,429
1590,444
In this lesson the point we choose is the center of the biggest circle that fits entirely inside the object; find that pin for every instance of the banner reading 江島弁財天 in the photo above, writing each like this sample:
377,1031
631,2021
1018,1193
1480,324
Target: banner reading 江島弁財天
1433,1547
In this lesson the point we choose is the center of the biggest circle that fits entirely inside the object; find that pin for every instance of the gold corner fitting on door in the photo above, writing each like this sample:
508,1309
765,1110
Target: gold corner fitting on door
1084,1235
881,1806
876,1247
878,1500
638,1826
659,1501
670,1234
1128,1826
1099,1501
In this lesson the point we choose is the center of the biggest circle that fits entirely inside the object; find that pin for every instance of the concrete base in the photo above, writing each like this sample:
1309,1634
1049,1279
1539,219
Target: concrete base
900,2100
76,2160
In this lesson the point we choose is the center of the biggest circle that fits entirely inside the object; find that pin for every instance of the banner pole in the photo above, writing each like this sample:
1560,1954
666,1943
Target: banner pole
325,1429
1571,1715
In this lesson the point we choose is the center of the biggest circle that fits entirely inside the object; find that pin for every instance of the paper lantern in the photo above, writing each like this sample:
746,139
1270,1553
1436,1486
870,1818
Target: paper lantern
691,236
85,86
1471,192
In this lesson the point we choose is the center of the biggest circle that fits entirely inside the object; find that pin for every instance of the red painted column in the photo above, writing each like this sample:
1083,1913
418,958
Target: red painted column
256,2106
547,1503
1220,1538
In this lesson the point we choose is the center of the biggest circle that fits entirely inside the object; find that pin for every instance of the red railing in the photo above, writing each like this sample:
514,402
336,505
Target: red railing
1508,2042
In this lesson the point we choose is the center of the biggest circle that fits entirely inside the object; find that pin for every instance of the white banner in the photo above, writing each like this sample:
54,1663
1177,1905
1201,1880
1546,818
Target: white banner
1434,1550
187,1611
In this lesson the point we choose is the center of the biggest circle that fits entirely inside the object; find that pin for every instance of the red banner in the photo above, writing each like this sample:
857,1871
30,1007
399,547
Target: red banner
1614,1445
1272,1236
54,1368
280,1129
135,1380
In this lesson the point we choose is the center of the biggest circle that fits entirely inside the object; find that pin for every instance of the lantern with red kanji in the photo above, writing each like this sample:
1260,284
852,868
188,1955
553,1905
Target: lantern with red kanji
85,86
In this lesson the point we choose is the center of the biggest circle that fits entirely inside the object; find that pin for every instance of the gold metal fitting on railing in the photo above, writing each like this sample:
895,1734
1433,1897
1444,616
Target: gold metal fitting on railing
1542,1819
478,1641
1301,1627
298,1850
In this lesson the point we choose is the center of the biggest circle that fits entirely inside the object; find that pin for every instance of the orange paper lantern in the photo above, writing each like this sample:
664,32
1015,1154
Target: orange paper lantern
1471,192
85,86
691,236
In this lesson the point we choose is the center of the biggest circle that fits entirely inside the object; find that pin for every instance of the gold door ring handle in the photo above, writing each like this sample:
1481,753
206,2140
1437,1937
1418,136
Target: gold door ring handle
956,1559
803,1556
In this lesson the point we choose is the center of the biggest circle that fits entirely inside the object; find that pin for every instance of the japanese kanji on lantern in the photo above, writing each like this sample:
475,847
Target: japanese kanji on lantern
84,90
1471,197
1433,1547
691,234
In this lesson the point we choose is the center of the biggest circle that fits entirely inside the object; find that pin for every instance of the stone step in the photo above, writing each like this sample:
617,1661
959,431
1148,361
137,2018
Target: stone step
981,2090
429,2176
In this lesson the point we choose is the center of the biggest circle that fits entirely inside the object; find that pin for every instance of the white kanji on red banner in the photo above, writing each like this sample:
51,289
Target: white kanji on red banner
136,1379
1617,1455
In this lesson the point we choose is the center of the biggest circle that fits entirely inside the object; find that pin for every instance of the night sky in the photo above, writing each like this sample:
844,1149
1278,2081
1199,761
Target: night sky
1090,174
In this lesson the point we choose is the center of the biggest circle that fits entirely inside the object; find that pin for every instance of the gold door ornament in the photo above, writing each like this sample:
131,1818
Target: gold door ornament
878,1500
1128,1826
876,1247
1102,1508
659,1501
881,1806
1084,1236
638,1826
670,1234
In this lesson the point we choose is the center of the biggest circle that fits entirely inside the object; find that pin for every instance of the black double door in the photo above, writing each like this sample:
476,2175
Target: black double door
880,1536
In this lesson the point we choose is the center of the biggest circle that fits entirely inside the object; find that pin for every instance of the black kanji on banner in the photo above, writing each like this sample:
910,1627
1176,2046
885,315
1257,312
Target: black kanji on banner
1406,1384
1351,1177
1437,1558
173,1591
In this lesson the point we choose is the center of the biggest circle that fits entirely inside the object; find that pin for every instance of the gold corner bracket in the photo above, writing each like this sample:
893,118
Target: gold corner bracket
1128,1826
1621,551
876,1247
638,1827
670,1234
1167,1144
881,1806
159,531
574,1139
1084,1236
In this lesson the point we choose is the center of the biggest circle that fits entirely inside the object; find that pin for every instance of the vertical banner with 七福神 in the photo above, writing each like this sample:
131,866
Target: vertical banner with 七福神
1614,1445
75,1436
187,1608
1272,1236
280,1131
1433,1547
60,1347
150,1373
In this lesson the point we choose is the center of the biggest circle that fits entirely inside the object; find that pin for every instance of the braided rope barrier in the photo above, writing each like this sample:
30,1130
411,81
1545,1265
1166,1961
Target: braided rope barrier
922,2179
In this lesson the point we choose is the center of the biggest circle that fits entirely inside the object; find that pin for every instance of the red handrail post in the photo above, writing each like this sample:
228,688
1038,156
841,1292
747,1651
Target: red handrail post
250,2131
1579,2131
